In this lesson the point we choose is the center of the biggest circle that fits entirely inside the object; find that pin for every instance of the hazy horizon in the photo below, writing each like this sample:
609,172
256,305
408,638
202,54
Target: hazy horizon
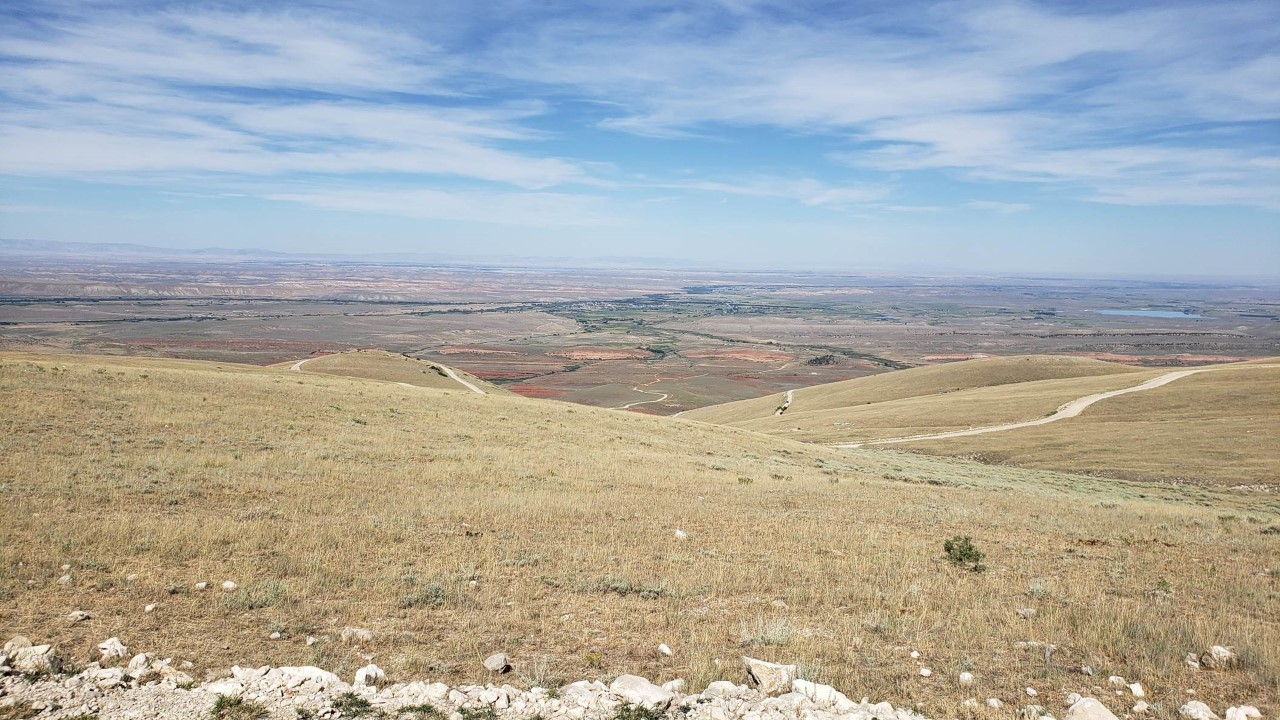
1127,140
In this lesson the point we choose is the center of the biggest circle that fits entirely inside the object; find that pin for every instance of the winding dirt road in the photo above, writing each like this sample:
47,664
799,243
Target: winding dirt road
1069,410
297,367
785,404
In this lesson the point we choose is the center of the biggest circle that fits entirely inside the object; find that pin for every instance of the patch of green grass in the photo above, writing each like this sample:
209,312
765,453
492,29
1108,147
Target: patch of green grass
226,707
349,704
639,712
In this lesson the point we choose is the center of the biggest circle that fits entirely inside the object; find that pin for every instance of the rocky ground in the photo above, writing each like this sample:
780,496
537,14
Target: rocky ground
33,684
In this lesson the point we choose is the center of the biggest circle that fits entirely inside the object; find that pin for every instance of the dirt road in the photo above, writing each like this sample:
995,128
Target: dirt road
297,367
1069,410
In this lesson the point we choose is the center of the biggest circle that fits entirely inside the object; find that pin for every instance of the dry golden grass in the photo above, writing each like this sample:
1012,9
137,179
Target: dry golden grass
337,502
916,382
1219,427
957,410
389,367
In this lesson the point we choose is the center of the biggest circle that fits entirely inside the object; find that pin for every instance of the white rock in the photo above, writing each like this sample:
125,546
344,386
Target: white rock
681,535
972,703
664,650
34,659
64,580
201,585
370,675
311,640
274,636
65,567
925,672
966,678
296,676
769,678
138,666
639,691
1140,707
1218,657
1196,710
1244,712
1089,709
1031,692
15,644
228,687
1074,698
675,687
1136,689
824,696
77,616
1115,681
112,649
1193,661
915,654
497,663
229,585
994,703
1086,670
356,635
1026,613
149,608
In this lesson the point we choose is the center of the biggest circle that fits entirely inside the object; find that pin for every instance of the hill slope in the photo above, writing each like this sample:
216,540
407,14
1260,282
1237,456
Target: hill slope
916,382
390,367
476,523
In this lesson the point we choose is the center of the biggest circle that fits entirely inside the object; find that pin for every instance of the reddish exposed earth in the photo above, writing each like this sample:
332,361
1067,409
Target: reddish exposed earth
589,353
760,356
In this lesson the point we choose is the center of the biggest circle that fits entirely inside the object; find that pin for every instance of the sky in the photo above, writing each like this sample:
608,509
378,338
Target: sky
1108,138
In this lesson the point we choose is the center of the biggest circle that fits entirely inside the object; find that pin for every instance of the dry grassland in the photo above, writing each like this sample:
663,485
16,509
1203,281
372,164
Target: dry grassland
337,502
916,382
389,367
1219,427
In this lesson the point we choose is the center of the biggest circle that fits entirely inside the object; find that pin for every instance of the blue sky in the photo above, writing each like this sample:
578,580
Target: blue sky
1052,137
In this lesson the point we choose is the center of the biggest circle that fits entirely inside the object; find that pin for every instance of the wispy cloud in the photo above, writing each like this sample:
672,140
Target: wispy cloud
1004,208
525,209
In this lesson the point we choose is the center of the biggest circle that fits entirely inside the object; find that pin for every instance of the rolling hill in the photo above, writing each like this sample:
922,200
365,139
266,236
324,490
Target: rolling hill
453,524
391,367
1210,426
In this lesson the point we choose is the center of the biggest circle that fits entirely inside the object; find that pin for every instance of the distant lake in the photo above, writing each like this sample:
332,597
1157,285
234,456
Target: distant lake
1150,313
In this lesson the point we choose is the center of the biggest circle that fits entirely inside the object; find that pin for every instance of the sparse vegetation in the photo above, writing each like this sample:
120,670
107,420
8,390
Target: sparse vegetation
226,707
350,705
962,552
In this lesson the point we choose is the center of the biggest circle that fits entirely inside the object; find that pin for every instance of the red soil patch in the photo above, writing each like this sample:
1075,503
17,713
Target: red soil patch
533,391
586,353
473,350
760,356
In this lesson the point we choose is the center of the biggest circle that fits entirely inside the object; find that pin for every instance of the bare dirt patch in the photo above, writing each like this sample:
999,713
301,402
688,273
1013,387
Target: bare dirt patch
473,350
760,356
589,353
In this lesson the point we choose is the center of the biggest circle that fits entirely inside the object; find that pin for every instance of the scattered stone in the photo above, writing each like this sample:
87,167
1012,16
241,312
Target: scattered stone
925,672
1136,690
77,616
201,585
639,691
371,675
356,635
35,660
674,687
769,678
1193,661
994,704
1244,712
131,577
274,636
312,640
64,580
915,654
497,663
681,535
1219,657
1115,681
112,649
1086,670
1140,707
17,643
972,703
65,567
229,585
1196,710
1073,698
1026,613
1031,692
664,650
149,608
966,678
1089,709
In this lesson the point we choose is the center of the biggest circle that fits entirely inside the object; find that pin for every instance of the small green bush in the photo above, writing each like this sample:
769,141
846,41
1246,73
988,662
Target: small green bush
962,551
226,707
349,704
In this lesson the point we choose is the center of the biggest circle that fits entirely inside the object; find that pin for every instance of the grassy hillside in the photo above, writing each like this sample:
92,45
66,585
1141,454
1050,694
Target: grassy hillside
1220,426
389,367
916,382
472,524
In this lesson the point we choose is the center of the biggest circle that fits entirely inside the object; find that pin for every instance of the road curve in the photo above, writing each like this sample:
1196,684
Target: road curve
1069,410
785,404
297,367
